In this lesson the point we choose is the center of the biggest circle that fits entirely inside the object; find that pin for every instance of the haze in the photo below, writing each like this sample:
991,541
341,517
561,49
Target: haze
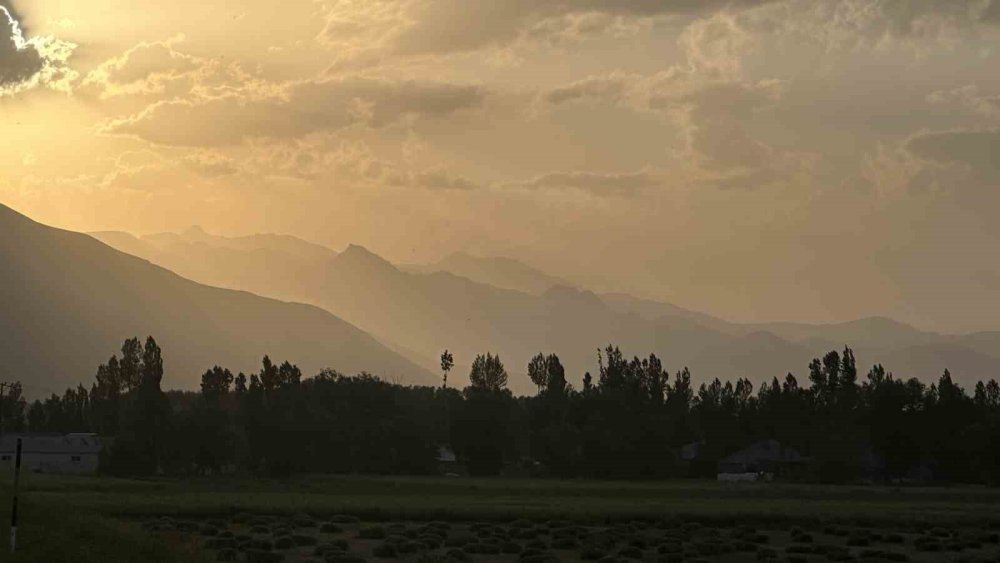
814,161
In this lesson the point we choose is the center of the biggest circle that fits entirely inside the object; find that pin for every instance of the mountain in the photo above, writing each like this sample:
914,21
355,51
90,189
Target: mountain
418,311
277,266
68,301
504,273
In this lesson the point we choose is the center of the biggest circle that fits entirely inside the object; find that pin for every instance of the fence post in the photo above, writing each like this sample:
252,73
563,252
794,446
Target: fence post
13,513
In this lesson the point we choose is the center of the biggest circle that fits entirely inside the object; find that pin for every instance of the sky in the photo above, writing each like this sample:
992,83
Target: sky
759,160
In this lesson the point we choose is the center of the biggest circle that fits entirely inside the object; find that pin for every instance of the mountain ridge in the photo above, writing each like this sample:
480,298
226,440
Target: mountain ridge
70,300
424,309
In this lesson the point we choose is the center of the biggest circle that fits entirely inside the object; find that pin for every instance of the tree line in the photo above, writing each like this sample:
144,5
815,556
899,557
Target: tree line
628,422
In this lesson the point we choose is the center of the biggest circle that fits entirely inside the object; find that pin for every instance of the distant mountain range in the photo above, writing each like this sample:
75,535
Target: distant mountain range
67,301
471,305
504,273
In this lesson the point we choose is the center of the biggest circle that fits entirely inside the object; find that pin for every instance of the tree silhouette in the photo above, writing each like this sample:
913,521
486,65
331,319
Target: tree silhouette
447,362
488,373
538,371
631,423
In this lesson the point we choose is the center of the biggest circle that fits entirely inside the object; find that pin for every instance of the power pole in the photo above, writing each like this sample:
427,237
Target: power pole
3,387
13,510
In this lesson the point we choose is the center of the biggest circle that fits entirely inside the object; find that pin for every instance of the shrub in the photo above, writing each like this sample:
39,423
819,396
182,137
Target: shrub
511,548
565,543
385,551
344,519
304,539
372,533
261,556
284,542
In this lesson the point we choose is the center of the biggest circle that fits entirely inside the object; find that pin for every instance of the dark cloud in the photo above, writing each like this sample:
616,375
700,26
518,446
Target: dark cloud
454,26
611,87
656,7
441,180
619,184
297,110
992,13
979,149
19,62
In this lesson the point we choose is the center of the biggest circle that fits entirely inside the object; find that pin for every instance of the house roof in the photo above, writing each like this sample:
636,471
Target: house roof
71,444
446,455
765,451
690,452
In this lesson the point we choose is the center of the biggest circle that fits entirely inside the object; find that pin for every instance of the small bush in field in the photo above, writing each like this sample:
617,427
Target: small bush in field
372,533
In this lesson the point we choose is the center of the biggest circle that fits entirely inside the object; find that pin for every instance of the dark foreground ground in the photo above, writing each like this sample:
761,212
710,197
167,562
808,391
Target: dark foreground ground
344,519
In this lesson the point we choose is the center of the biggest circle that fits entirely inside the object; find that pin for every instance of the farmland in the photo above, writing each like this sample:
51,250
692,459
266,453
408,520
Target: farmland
322,518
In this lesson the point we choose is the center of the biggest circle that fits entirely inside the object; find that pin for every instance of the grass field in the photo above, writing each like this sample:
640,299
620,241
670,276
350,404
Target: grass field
84,519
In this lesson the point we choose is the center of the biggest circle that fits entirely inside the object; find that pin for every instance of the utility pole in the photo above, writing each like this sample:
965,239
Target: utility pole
13,511
3,387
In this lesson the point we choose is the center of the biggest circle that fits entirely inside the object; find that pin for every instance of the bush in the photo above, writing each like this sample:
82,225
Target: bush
304,539
344,519
565,543
385,551
261,556
372,533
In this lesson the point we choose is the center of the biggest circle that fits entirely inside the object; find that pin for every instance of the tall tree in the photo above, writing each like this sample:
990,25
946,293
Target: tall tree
488,373
447,362
538,371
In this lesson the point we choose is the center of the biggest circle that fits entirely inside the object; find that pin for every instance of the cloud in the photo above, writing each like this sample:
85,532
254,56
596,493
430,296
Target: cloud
441,180
370,32
26,63
149,68
265,110
708,114
976,150
600,184
211,164
610,87
970,98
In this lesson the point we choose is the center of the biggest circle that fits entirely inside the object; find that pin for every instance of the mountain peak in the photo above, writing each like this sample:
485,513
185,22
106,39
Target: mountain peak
570,294
195,232
359,256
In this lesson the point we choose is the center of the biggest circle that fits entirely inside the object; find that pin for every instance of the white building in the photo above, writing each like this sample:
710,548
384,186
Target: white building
52,453
759,461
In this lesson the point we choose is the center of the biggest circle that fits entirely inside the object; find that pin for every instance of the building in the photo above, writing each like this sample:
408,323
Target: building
447,462
52,453
759,461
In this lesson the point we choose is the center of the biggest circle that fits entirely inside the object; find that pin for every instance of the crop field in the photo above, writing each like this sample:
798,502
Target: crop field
345,519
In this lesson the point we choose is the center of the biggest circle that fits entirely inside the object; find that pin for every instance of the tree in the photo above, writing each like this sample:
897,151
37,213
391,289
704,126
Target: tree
213,438
240,384
555,375
488,373
538,371
269,375
145,420
447,362
130,364
13,407
613,374
215,383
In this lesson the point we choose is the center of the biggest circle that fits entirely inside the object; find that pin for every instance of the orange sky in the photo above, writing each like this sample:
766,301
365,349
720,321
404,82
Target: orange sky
759,160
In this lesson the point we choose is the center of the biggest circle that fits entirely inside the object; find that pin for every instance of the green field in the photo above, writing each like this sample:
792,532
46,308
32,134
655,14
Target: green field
84,519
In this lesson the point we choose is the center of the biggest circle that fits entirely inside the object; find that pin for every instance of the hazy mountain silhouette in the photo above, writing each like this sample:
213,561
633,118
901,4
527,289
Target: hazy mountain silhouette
420,310
68,301
505,273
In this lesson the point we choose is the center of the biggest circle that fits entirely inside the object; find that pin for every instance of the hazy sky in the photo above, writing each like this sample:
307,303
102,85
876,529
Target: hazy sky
760,160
